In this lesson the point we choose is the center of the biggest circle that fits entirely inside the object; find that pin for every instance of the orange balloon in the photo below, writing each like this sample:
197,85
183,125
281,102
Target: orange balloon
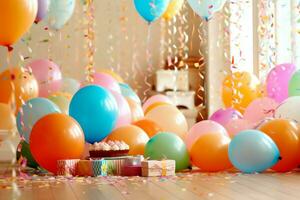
210,153
285,134
155,105
240,89
8,120
17,85
56,137
134,136
16,17
136,109
149,126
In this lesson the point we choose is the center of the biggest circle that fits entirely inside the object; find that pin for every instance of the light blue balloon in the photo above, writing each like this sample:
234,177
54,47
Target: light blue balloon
206,8
60,11
31,112
253,151
128,92
96,110
151,10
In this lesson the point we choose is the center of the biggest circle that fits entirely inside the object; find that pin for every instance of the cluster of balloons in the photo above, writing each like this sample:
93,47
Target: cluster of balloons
151,10
12,28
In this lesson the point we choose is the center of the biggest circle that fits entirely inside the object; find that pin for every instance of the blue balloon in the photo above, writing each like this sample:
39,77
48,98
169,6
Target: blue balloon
128,92
96,110
151,10
253,151
59,13
206,8
31,112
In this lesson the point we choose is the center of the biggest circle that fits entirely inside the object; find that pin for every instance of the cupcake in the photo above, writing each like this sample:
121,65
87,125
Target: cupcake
108,149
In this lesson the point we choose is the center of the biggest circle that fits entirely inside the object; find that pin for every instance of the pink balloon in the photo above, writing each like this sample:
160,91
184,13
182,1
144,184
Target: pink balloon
106,81
47,74
154,99
223,116
235,126
124,117
278,81
260,109
202,128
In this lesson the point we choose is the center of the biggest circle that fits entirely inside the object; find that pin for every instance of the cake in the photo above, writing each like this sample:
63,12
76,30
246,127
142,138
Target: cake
108,149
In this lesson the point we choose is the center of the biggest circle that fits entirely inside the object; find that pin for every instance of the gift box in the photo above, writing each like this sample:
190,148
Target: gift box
67,167
84,168
99,167
114,165
158,168
135,170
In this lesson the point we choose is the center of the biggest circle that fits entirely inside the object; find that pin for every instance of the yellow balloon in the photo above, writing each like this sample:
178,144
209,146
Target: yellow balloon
61,101
240,89
116,76
136,109
170,119
7,117
173,8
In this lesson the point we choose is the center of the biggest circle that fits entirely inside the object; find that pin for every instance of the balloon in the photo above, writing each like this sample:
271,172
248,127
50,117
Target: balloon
206,8
134,136
260,109
253,151
96,110
288,109
285,134
294,84
106,81
56,137
7,117
17,85
48,76
168,146
155,99
128,92
173,9
112,74
16,17
203,128
240,89
149,126
124,116
31,112
23,152
235,126
137,112
60,12
278,81
210,152
43,6
61,101
223,116
151,10
170,119
155,105
70,86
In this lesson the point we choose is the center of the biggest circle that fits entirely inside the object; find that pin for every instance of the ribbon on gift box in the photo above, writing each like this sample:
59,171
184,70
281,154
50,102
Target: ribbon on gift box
163,167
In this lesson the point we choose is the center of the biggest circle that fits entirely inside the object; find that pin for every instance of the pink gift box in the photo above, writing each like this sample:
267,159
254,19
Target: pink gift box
67,167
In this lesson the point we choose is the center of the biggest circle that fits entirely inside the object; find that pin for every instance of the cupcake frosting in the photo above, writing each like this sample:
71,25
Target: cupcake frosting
108,146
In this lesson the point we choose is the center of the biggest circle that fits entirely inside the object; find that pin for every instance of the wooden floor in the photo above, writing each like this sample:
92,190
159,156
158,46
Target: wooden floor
185,186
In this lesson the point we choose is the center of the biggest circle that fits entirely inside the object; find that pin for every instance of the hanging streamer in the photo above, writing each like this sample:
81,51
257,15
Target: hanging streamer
123,39
149,64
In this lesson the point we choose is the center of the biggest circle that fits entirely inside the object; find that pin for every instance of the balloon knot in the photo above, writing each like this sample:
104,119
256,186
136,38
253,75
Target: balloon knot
9,48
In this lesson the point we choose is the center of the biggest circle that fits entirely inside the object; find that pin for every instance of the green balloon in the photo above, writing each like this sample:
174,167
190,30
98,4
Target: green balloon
294,84
168,146
25,153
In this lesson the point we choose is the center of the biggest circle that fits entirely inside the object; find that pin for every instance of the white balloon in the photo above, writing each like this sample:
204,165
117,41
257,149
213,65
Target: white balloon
289,109
206,8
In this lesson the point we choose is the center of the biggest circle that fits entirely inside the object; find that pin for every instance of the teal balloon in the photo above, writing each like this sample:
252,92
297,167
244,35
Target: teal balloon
24,151
168,146
206,8
31,112
253,151
128,92
96,110
151,10
60,12
294,84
